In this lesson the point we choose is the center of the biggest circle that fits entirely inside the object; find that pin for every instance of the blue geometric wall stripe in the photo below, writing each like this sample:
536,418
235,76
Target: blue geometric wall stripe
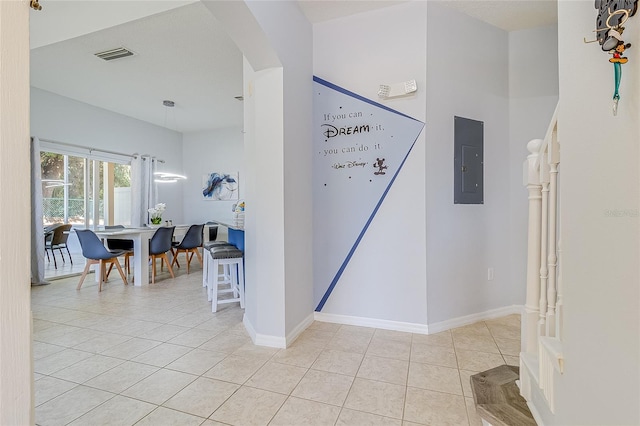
414,132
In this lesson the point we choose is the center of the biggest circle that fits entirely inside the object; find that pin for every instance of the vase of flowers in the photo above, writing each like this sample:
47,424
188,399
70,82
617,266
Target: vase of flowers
155,213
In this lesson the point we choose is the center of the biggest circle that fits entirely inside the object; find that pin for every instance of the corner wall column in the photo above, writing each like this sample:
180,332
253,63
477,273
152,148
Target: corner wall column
16,365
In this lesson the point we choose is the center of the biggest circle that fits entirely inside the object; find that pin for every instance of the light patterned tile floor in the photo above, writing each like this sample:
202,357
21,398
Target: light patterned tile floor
156,355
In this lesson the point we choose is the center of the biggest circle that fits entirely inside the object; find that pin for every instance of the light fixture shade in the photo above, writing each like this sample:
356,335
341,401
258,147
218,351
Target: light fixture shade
165,177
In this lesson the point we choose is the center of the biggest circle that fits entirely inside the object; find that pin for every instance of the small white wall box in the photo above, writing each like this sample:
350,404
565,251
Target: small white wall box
398,89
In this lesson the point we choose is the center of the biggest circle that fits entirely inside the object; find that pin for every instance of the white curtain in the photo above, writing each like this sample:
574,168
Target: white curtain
143,189
37,227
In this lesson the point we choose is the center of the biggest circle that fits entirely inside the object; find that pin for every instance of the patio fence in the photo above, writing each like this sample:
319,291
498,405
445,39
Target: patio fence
53,209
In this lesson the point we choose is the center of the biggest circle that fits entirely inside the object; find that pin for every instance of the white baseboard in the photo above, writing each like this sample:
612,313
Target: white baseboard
291,337
470,319
372,322
276,341
409,327
414,327
536,415
249,327
263,339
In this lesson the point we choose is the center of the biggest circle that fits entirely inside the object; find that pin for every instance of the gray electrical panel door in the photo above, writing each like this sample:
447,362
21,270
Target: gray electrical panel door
468,161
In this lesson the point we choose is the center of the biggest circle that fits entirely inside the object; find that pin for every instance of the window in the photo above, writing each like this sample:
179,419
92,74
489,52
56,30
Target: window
84,192
63,188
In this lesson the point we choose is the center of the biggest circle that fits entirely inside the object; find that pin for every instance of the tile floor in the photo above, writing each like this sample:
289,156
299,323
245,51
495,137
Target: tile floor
65,268
156,355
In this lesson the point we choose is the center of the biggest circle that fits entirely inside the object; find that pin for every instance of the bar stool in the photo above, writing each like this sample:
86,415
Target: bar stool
231,256
226,275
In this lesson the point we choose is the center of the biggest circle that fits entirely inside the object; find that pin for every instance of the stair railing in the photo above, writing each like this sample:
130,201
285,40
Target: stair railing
542,318
541,179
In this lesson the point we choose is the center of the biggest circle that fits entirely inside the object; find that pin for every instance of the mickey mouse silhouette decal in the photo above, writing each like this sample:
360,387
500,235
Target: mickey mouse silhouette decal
380,165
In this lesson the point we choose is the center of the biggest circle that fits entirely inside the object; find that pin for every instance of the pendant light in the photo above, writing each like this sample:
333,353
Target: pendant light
166,177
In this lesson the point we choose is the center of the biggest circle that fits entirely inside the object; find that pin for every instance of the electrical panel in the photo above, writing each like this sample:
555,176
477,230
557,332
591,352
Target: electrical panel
468,161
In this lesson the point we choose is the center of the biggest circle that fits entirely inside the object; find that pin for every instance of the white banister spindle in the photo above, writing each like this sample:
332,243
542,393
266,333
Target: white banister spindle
554,160
532,304
560,301
544,270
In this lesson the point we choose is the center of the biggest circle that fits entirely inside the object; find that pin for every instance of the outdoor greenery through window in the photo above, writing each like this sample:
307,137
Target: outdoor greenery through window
67,199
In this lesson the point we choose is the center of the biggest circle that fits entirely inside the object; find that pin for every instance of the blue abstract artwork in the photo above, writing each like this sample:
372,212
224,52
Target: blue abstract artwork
220,186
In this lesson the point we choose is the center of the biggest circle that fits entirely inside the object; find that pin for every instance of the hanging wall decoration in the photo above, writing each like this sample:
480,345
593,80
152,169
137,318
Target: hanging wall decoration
612,15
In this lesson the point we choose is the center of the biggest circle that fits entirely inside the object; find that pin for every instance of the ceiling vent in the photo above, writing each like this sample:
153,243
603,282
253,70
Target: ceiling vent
112,54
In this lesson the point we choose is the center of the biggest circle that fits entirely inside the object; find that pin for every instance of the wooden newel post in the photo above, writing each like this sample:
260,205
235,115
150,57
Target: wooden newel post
531,179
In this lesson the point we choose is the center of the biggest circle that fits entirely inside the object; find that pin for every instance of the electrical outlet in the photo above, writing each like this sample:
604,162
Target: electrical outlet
490,274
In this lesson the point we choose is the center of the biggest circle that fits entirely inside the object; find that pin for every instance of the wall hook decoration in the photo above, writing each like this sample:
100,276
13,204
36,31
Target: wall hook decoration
35,5
612,15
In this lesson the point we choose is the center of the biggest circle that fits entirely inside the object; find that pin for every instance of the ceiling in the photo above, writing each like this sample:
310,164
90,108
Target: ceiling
172,61
510,15
180,55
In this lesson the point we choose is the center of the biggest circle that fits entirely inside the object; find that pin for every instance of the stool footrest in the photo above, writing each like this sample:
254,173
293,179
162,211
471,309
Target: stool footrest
220,302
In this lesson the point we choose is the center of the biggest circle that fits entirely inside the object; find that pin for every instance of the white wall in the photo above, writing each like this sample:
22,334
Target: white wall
467,76
275,38
599,227
219,150
264,221
290,35
66,120
16,358
533,93
436,254
386,277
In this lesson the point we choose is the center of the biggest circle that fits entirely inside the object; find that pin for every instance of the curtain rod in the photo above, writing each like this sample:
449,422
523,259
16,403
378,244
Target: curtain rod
97,150
136,155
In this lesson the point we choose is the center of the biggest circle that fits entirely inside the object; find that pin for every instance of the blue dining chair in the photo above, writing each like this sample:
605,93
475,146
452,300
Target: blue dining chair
189,245
159,245
96,253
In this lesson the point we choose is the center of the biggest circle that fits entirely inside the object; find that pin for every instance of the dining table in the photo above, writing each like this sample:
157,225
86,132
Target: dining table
141,237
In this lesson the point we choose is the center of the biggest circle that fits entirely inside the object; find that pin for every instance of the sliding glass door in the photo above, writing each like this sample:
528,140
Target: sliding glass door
63,189
121,212
85,192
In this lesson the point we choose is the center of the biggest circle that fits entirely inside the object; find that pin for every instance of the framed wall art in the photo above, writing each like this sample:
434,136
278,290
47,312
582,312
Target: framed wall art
217,186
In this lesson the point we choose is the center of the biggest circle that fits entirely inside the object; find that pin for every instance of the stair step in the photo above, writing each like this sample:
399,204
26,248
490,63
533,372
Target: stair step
497,397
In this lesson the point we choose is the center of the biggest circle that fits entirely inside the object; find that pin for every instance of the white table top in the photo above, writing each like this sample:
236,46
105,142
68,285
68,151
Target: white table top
123,231
133,230
228,222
